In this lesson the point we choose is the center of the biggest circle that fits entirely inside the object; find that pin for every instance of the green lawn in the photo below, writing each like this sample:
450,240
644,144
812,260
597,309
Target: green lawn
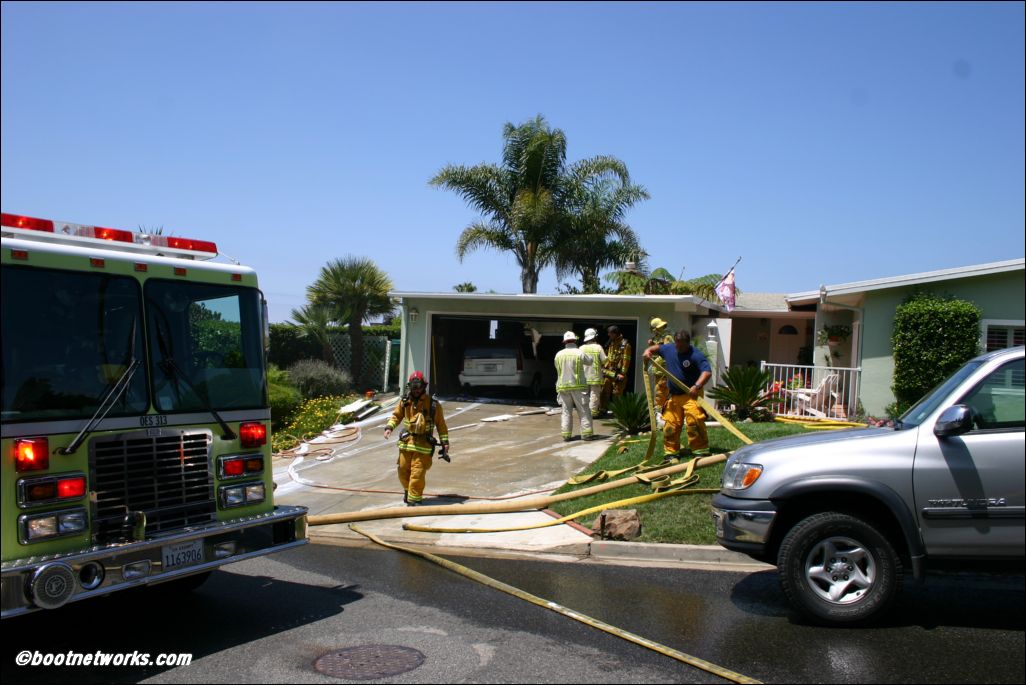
683,519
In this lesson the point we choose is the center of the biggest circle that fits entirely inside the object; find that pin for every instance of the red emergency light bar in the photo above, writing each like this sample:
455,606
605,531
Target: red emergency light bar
63,231
27,222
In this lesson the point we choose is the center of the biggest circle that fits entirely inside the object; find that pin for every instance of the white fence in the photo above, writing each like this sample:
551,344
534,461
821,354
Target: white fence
822,391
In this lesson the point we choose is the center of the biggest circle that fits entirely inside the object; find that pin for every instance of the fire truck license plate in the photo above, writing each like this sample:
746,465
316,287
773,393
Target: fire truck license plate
182,554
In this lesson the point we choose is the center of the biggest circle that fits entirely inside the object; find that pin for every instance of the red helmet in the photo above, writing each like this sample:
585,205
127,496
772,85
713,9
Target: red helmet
417,377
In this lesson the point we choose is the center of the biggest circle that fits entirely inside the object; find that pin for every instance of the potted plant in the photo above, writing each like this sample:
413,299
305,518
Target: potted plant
833,334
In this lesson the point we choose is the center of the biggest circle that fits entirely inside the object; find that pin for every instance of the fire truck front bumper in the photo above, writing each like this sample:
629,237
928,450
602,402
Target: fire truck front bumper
47,582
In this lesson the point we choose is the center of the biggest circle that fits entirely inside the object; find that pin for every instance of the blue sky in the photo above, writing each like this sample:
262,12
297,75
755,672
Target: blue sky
822,143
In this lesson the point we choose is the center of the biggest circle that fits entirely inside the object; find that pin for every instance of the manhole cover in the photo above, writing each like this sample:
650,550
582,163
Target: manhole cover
368,662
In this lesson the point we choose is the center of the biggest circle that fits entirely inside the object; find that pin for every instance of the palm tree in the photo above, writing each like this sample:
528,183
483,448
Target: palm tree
596,236
662,282
522,201
354,288
315,322
465,287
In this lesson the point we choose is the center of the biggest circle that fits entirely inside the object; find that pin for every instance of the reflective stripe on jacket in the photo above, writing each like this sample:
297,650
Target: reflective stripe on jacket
593,371
570,363
407,411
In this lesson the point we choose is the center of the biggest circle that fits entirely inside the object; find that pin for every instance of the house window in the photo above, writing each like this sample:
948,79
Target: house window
998,335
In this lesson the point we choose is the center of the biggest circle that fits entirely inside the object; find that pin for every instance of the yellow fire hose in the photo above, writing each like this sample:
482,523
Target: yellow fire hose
663,489
645,464
709,409
817,423
560,609
526,504
651,414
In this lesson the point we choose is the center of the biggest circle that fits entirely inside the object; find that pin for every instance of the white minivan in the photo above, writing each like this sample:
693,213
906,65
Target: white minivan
495,363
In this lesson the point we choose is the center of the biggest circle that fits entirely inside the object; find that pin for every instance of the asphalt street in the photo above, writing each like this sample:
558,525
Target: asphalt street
271,619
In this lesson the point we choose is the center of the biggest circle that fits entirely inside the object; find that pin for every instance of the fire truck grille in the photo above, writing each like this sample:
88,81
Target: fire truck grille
168,478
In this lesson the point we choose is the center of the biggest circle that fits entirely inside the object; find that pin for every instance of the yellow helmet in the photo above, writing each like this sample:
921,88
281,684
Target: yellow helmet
657,324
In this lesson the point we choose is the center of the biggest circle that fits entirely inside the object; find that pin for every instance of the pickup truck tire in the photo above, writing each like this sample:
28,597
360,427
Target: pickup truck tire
838,569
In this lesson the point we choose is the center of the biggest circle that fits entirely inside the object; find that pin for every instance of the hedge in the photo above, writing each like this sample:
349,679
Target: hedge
932,337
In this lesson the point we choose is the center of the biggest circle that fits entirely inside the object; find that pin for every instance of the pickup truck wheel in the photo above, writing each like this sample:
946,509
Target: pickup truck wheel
838,569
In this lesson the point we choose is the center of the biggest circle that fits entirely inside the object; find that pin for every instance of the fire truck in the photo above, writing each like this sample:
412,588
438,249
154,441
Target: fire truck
135,422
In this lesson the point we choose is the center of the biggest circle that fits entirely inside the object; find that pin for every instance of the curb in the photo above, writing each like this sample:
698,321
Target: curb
608,551
714,555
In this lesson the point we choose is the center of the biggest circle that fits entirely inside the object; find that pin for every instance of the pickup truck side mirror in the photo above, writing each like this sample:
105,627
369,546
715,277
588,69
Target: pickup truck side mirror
953,421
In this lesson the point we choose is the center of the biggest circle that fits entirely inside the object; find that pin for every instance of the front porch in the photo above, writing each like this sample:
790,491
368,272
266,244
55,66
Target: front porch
817,391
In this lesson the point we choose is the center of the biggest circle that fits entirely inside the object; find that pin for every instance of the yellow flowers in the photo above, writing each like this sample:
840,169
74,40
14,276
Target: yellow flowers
312,417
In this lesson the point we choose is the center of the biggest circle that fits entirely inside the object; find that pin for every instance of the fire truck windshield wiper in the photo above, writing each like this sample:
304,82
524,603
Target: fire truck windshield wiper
109,398
170,367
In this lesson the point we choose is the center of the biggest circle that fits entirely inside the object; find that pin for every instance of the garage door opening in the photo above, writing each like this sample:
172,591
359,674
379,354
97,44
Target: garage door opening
506,358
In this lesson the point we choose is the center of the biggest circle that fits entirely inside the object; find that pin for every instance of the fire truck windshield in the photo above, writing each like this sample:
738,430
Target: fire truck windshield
206,346
67,338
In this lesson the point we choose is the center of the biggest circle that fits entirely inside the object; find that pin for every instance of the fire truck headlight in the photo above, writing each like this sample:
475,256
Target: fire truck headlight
242,494
234,496
43,527
71,523
33,527
255,493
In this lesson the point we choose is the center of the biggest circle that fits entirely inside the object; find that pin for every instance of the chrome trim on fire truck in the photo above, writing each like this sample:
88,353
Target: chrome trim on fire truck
116,556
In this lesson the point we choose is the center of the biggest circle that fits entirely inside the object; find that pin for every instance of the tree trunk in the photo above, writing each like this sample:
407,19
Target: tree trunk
529,281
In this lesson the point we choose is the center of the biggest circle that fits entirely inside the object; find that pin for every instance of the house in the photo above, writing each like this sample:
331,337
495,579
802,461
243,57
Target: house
438,327
779,332
867,308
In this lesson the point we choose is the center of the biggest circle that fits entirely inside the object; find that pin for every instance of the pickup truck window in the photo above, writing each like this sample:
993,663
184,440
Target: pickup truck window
998,401
924,407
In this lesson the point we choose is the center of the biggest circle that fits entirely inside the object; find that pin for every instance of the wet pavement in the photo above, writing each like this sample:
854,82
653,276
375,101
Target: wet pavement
501,451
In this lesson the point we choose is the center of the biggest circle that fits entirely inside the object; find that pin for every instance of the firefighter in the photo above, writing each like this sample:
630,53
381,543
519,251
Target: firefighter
593,373
661,335
689,366
421,415
572,386
618,364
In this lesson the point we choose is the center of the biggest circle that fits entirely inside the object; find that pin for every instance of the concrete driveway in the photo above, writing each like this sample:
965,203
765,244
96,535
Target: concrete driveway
498,451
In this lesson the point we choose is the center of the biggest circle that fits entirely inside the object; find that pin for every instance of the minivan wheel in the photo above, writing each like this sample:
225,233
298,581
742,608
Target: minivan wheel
838,569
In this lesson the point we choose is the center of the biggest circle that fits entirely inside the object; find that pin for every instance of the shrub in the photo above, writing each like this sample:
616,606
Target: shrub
630,414
932,337
283,397
315,378
312,417
744,388
289,345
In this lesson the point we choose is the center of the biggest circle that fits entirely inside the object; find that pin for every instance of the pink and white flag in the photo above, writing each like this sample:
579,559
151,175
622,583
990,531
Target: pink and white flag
725,291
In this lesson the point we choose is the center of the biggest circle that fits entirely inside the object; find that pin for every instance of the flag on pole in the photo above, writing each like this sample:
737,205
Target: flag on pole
725,290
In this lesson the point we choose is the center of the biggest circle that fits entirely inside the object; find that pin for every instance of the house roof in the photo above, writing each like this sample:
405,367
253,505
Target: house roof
524,297
761,302
856,287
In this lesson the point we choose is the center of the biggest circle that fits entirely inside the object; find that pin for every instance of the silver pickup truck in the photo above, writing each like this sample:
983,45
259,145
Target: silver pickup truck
842,514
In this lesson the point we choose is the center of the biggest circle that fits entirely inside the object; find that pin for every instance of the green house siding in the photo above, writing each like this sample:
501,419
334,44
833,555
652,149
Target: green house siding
1001,296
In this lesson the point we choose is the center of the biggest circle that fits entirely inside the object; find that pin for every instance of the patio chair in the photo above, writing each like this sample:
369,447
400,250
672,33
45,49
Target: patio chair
815,401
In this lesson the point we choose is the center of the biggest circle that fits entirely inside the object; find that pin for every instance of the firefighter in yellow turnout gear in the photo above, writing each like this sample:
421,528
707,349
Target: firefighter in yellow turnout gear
617,366
421,416
661,335
688,365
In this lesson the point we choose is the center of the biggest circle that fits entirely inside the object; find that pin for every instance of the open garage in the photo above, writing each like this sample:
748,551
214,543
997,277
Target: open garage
506,357
516,337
